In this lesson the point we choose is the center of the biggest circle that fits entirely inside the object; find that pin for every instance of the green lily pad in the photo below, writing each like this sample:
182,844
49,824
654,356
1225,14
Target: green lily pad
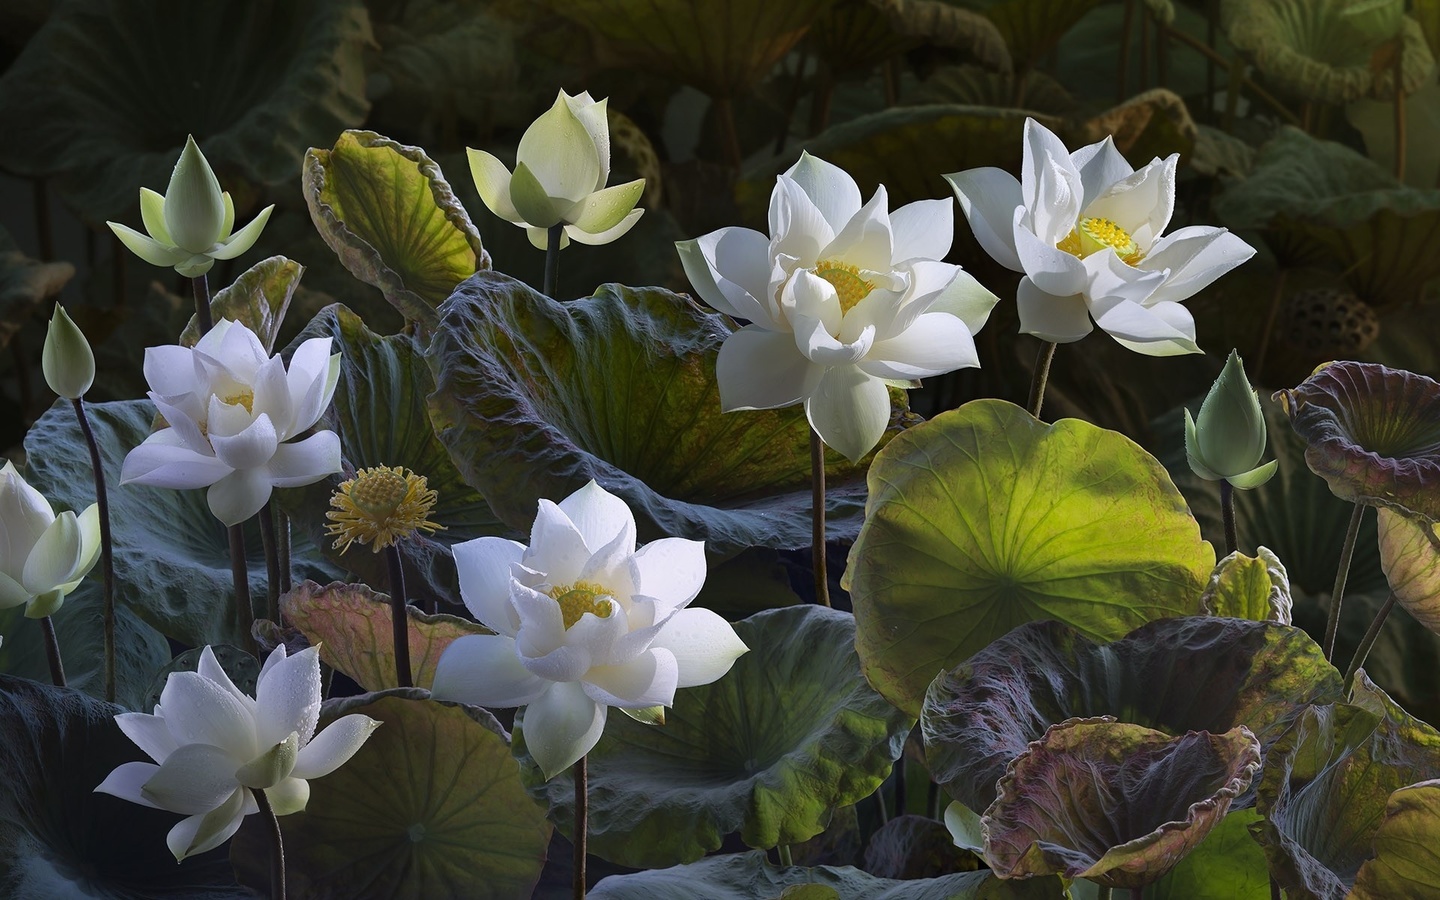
535,398
771,750
258,299
351,625
748,876
1228,865
1326,50
58,838
1135,801
430,806
389,214
858,35
242,669
1032,28
1326,784
983,714
984,518
1405,862
724,49
380,414
172,556
1373,434
107,108
1249,587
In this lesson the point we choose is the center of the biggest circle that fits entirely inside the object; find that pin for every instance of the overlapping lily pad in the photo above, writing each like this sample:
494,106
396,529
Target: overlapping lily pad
1249,587
984,518
857,35
107,110
1373,434
430,806
259,299
534,398
389,214
1410,553
1135,801
771,750
172,557
1326,784
1406,863
1177,675
58,838
1228,865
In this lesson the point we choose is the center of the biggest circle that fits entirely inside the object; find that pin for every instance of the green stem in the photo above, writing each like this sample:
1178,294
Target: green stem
285,583
107,547
1399,113
552,257
933,802
1337,594
786,857
1367,643
272,563
1275,298
200,286
880,802
1102,892
900,787
730,138
399,620
240,576
277,845
52,651
1040,377
1227,513
817,519
582,825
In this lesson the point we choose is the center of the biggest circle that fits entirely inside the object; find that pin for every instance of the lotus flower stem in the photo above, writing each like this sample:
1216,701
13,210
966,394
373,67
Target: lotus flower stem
1274,889
52,651
725,113
1102,892
240,574
552,258
1367,643
1227,514
582,825
900,805
272,562
107,547
1269,328
933,802
284,547
787,858
277,845
1337,594
817,519
882,809
200,285
1236,79
399,619
1040,377
1399,111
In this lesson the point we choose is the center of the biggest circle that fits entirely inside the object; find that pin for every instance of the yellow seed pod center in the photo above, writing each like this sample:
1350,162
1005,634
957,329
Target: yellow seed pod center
377,492
846,280
245,398
1095,234
579,598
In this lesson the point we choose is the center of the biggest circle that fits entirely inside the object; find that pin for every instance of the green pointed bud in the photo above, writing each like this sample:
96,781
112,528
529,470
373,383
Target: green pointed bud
67,360
1227,439
194,204
267,769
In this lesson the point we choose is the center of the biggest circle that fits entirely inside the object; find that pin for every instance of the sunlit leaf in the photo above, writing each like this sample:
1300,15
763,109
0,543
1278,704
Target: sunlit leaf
1249,587
258,299
1406,863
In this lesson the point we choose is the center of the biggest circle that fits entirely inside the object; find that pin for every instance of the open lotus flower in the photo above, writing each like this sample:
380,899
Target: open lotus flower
1086,230
214,745
231,409
842,300
192,224
43,556
1227,440
583,621
561,168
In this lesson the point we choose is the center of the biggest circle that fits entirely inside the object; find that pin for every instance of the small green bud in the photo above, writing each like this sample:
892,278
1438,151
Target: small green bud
67,360
194,204
1227,439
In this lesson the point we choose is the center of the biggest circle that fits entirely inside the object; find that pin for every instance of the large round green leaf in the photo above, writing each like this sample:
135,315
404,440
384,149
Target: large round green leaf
172,557
1228,865
108,91
389,214
58,838
749,876
985,518
535,398
984,713
770,750
1406,863
857,35
431,806
380,414
1032,28
1326,784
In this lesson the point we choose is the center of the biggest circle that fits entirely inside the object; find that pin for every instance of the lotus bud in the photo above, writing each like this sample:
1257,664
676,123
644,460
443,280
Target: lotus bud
1227,440
194,204
67,360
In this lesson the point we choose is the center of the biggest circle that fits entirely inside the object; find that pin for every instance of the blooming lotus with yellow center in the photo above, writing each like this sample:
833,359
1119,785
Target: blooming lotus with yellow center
843,300
1087,231
583,621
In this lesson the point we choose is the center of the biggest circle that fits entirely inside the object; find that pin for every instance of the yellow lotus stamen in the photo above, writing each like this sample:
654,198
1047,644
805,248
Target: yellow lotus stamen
245,398
379,507
846,280
579,598
1095,234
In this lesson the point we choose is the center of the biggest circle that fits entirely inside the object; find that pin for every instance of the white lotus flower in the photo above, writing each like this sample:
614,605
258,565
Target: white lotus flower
583,621
213,745
841,299
1086,229
561,167
231,409
43,556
